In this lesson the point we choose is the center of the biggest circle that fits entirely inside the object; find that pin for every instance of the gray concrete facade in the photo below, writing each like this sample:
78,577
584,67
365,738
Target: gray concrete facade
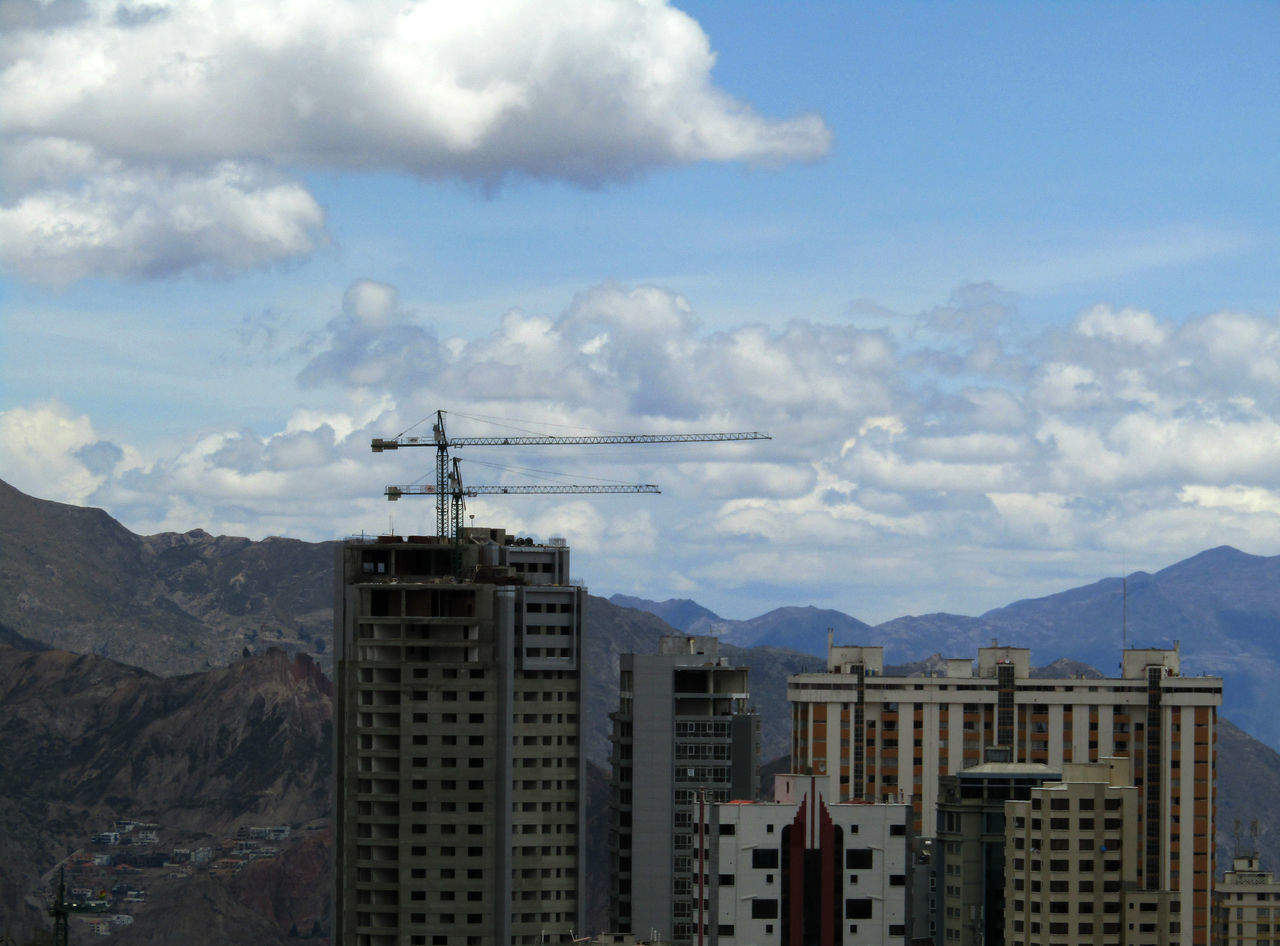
458,738
683,735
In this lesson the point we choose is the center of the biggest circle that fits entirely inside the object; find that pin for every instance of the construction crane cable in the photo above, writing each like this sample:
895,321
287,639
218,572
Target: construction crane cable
512,421
416,423
553,474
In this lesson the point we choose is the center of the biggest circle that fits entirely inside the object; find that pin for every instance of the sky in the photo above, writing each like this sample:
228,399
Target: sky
999,280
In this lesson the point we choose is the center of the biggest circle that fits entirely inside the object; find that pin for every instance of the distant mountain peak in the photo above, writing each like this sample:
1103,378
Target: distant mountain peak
1221,555
683,614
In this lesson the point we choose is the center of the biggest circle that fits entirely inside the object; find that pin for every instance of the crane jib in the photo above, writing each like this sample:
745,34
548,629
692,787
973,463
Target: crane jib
451,492
379,444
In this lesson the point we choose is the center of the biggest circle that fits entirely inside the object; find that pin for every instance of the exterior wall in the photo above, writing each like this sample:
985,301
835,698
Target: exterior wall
457,744
802,871
652,794
1071,859
682,736
892,737
1247,905
969,851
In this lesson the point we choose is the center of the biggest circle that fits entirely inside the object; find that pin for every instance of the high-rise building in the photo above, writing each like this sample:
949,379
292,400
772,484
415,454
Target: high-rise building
1071,865
968,853
798,871
683,735
874,736
1247,904
458,737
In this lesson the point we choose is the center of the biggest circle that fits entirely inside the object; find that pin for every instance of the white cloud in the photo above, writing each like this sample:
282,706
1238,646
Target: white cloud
1243,499
1067,387
137,145
53,454
1130,326
1069,452
119,221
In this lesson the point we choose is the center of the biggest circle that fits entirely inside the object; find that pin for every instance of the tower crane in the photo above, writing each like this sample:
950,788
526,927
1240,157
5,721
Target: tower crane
457,493
448,488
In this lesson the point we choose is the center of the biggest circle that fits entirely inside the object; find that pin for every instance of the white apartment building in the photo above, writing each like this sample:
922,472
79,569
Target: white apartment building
799,871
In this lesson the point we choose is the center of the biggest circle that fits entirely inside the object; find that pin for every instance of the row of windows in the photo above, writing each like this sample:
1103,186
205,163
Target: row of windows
1064,929
1062,866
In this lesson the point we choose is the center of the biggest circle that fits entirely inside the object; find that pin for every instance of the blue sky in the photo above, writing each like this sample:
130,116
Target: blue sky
998,278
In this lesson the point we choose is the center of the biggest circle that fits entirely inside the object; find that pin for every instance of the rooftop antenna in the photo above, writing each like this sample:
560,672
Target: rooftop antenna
1124,608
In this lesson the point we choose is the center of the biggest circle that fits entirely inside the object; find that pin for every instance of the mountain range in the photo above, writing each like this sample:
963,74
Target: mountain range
1222,607
180,679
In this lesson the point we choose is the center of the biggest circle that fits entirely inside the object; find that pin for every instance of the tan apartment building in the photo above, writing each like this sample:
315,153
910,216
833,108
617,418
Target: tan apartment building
1071,865
1247,905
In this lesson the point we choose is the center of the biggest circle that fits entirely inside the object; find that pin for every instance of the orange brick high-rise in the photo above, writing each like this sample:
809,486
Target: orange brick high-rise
876,737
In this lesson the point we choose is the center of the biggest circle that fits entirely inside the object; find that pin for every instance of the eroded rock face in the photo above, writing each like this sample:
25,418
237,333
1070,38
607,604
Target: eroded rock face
170,603
86,741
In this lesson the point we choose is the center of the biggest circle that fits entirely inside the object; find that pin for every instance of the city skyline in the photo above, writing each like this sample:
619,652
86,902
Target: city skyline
997,280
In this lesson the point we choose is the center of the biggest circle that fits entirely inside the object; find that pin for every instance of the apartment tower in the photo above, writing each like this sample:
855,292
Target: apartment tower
457,742
969,861
797,871
1247,904
1072,855
683,738
875,736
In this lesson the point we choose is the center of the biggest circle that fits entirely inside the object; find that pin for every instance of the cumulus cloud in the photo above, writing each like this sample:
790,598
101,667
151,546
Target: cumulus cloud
1122,436
151,221
148,139
1048,445
49,452
619,351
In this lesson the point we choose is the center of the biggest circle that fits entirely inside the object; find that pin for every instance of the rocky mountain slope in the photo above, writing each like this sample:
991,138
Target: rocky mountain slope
87,741
171,603
793,628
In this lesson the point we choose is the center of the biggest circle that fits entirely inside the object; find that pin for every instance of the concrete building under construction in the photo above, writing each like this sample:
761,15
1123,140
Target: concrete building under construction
458,738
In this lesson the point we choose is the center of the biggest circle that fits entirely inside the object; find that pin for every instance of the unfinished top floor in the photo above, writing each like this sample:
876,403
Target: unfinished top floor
481,555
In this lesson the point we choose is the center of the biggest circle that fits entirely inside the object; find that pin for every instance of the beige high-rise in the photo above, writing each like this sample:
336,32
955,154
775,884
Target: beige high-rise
1071,865
1247,905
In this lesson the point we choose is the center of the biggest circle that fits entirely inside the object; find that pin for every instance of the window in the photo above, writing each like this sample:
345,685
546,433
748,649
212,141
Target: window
765,858
858,858
764,909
